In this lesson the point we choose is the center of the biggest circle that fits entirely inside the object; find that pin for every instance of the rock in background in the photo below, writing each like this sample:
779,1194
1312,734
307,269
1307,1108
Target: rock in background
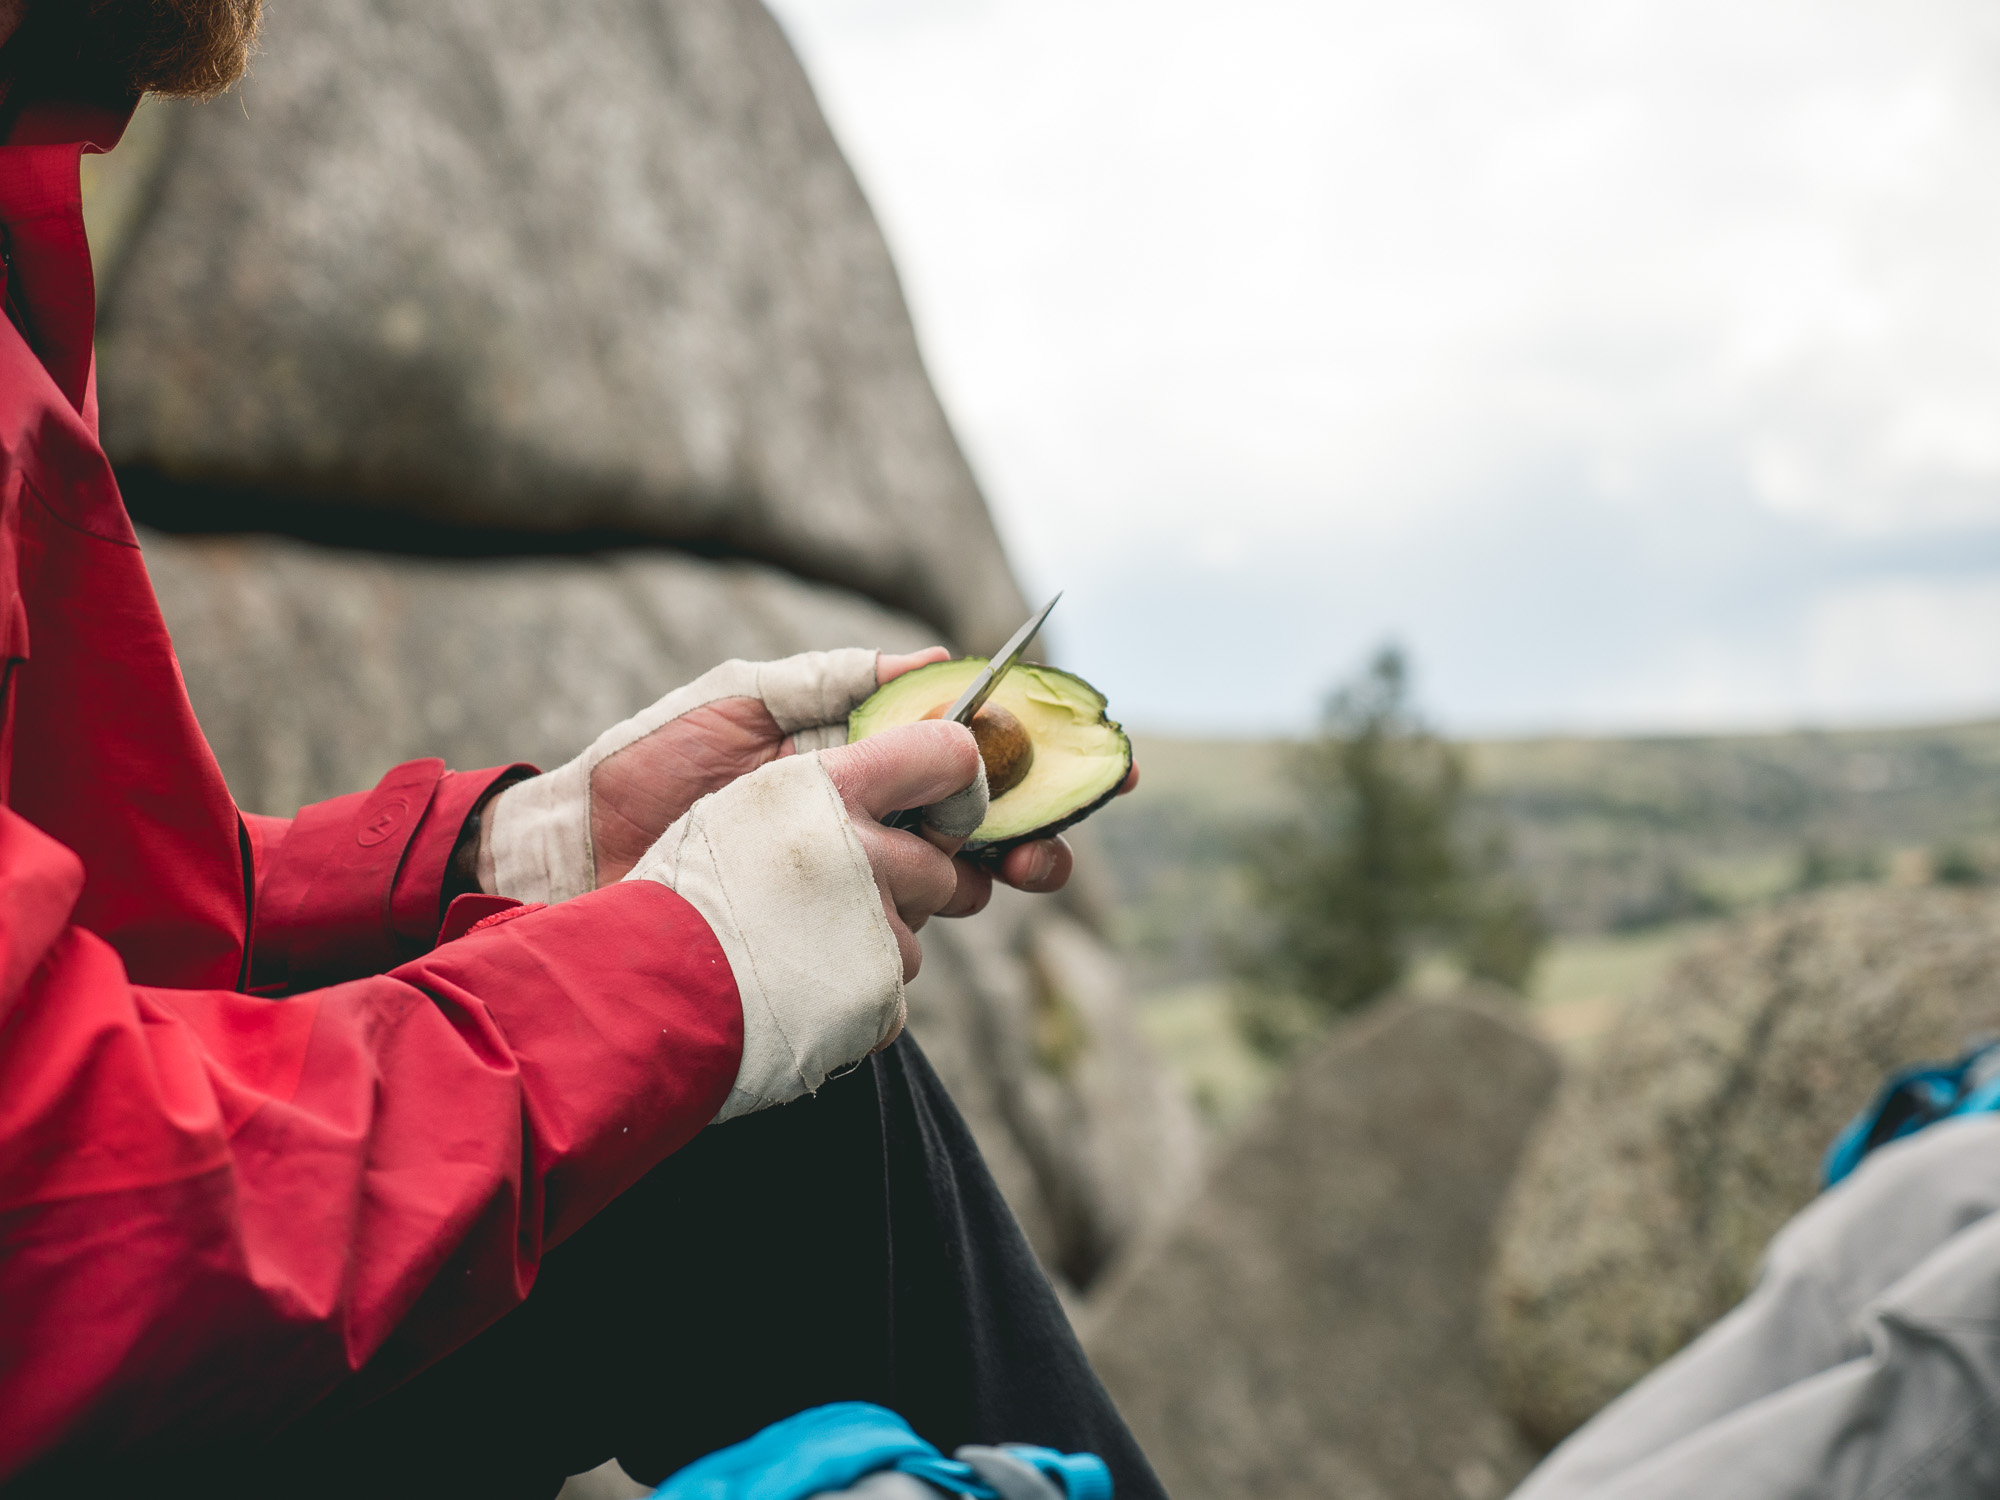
1309,1330
541,268
315,669
457,281
1698,1127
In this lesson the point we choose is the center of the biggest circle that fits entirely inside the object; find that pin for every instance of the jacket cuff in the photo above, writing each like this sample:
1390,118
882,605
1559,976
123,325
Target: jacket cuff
354,885
416,903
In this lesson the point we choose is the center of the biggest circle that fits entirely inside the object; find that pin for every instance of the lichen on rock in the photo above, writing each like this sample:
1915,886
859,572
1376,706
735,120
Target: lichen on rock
1697,1129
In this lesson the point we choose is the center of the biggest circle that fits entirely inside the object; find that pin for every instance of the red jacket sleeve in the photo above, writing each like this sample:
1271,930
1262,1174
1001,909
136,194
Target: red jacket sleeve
351,886
215,1208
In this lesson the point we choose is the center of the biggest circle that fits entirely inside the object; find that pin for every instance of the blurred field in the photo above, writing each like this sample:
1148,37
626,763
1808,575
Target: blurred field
1624,834
1575,996
1582,981
1632,846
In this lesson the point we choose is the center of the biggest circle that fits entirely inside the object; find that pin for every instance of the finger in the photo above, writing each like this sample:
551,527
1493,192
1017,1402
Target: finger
917,879
913,766
907,946
975,889
1131,780
1039,867
888,668
943,843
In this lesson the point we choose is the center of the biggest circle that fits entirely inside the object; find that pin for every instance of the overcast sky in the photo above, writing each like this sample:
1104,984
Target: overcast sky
1636,363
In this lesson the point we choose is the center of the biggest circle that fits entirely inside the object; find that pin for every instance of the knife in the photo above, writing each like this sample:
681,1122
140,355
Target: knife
977,691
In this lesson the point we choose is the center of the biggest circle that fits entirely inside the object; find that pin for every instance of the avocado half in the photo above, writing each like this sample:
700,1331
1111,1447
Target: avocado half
1076,758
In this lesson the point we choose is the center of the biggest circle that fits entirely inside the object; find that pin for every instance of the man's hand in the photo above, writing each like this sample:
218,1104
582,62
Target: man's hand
586,823
814,903
909,767
817,903
637,793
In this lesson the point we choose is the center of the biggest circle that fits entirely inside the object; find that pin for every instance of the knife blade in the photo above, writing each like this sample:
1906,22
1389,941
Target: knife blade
977,691
981,687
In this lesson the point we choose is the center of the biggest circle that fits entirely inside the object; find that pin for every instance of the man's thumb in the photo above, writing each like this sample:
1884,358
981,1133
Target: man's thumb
912,766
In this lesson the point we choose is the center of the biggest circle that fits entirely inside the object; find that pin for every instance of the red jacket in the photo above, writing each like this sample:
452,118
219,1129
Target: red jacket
216,1206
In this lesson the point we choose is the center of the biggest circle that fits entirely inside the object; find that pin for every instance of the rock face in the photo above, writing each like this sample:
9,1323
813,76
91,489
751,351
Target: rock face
521,267
1309,1328
1697,1129
314,670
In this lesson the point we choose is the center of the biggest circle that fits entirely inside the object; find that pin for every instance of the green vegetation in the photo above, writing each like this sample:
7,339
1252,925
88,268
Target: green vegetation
1378,866
1622,835
1626,846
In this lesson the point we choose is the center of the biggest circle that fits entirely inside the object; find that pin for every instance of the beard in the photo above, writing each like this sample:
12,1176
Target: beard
184,48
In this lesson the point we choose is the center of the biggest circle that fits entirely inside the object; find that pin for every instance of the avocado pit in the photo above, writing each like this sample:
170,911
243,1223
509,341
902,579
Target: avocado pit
1003,745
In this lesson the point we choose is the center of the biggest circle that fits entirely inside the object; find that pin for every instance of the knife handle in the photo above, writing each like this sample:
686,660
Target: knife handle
911,820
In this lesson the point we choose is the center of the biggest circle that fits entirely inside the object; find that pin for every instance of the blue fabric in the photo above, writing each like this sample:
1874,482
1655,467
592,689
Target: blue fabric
826,1448
949,1474
1913,1098
1081,1476
833,1447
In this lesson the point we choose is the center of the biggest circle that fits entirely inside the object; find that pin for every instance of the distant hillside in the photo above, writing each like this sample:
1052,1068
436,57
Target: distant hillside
1614,834
1628,833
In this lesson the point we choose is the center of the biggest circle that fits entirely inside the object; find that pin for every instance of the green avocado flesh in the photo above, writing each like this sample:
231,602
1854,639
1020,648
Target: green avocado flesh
1080,755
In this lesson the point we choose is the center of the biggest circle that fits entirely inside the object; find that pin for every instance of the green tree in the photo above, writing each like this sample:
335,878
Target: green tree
1954,864
1382,863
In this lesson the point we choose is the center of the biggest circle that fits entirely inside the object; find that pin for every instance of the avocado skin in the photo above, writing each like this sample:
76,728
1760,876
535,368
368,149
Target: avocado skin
990,852
993,853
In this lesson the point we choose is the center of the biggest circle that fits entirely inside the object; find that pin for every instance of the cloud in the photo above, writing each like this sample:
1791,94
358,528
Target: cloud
1907,644
1605,352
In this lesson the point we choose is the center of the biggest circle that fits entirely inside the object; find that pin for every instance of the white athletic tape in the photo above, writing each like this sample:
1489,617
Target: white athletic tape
777,871
962,811
538,843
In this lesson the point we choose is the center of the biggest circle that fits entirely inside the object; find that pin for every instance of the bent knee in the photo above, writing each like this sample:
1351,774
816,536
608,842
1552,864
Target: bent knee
1903,1202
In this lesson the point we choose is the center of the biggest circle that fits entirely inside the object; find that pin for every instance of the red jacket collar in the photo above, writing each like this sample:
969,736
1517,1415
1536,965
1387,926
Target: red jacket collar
48,288
93,124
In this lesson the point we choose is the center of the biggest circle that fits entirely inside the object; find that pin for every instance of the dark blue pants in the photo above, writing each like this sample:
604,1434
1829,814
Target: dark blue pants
849,1246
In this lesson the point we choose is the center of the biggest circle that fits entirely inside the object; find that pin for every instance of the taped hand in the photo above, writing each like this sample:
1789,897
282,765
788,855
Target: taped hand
585,823
816,903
